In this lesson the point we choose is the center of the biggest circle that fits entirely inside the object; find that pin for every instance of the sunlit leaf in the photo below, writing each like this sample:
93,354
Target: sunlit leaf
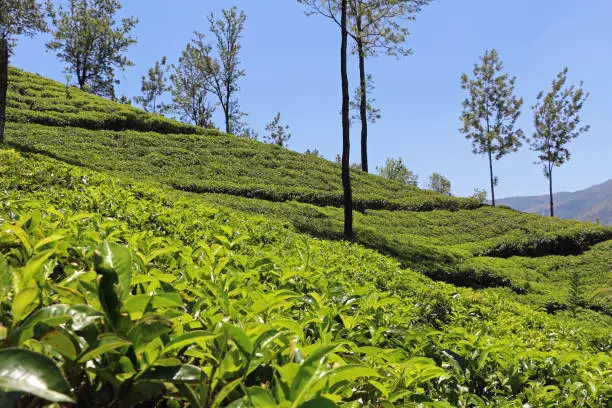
106,343
308,373
174,374
32,373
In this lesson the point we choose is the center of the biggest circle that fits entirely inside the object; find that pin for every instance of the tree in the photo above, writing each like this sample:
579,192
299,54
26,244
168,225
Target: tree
375,26
479,195
490,112
278,134
395,169
153,87
319,6
439,183
372,113
557,120
224,72
190,79
314,152
247,132
91,43
346,126
17,17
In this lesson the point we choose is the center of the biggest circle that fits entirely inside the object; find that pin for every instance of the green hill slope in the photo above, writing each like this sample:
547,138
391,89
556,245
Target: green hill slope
205,269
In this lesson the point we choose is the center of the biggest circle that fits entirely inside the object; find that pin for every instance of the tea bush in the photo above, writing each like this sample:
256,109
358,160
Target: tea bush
144,267
118,294
34,99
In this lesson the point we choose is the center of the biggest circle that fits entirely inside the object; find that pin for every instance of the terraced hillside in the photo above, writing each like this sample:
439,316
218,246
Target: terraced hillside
200,268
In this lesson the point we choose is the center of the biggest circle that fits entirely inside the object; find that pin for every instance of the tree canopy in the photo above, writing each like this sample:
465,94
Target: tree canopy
395,169
490,112
20,17
277,133
225,71
189,79
439,183
557,122
92,43
153,86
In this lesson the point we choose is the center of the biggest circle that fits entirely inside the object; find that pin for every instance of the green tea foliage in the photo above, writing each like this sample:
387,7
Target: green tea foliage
34,99
218,163
119,287
115,294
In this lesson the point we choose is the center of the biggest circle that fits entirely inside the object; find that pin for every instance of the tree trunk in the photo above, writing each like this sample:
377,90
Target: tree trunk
363,103
226,112
346,142
492,181
3,84
550,190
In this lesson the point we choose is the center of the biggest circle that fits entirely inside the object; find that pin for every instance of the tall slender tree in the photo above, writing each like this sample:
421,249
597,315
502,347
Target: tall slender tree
154,85
372,112
331,9
557,121
190,78
91,43
225,71
490,112
277,133
375,26
17,17
346,125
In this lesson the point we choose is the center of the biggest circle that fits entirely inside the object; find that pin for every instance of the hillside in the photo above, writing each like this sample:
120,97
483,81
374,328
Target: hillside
591,204
205,269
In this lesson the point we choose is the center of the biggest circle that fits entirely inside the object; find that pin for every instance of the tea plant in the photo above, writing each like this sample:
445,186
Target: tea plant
141,267
138,296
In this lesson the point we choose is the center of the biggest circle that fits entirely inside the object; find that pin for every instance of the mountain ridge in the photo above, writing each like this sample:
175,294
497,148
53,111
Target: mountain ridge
592,204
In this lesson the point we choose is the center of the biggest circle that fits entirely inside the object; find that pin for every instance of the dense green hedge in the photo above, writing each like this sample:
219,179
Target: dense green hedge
224,164
118,294
448,245
34,99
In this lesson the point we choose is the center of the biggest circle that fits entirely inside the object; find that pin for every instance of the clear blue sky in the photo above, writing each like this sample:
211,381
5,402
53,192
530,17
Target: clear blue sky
292,66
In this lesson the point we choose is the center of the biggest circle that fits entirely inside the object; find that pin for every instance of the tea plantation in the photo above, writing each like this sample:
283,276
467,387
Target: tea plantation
148,263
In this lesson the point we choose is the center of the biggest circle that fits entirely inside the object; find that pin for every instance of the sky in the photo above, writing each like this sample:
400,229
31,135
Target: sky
292,67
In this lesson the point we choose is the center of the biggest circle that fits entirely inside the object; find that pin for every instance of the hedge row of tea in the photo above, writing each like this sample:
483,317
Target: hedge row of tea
455,246
34,99
483,248
114,293
224,164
